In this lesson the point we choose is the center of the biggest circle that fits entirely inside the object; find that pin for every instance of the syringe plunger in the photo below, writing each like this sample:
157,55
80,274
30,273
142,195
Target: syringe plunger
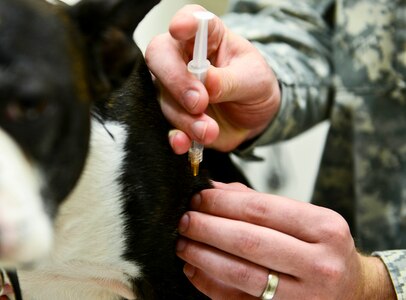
200,64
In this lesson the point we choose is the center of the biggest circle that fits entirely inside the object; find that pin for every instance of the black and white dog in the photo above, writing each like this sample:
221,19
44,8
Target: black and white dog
90,191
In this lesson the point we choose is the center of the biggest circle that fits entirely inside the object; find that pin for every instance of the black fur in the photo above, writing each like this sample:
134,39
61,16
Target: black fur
157,186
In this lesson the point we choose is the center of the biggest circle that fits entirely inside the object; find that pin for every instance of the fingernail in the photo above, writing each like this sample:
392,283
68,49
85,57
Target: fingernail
180,245
183,223
199,129
172,135
189,270
196,201
190,99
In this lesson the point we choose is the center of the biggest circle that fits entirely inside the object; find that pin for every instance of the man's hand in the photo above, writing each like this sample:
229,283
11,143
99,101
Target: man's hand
235,236
241,94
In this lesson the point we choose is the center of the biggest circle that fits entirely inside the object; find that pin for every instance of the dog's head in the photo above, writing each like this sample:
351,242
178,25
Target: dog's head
55,60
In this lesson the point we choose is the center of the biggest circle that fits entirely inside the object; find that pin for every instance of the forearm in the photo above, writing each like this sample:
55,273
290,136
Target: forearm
295,42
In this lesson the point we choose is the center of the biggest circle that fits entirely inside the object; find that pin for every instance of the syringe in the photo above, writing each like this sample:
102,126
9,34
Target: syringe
198,66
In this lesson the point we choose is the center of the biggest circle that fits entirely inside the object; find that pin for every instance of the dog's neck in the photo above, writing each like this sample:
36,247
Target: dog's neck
89,229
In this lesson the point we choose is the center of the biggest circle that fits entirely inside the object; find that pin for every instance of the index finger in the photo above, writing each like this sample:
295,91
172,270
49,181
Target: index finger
166,60
282,214
184,25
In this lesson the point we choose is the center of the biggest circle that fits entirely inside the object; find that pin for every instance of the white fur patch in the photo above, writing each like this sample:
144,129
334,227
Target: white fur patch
53,1
25,229
86,260
70,2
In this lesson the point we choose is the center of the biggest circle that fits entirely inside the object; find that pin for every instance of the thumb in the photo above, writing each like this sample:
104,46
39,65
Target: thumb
246,79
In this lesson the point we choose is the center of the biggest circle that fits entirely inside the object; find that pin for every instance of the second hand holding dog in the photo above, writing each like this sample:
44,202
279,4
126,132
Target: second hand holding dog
234,236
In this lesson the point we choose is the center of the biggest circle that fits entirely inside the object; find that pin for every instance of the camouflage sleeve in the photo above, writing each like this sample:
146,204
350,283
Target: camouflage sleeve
395,261
294,38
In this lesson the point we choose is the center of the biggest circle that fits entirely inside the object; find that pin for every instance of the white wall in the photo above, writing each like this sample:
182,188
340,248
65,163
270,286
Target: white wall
158,19
292,165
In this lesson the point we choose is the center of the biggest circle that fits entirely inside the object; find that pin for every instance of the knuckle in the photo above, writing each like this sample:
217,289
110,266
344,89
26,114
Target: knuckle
155,47
334,228
152,48
241,275
211,198
248,244
238,185
255,211
332,271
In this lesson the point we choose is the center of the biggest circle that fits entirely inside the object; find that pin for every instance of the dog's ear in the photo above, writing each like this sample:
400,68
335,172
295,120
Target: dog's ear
108,27
96,15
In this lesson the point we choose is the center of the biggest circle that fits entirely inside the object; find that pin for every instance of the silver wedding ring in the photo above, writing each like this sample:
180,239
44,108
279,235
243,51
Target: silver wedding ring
271,285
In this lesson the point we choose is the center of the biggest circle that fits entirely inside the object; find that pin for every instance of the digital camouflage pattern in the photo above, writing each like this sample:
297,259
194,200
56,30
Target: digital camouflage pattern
345,61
